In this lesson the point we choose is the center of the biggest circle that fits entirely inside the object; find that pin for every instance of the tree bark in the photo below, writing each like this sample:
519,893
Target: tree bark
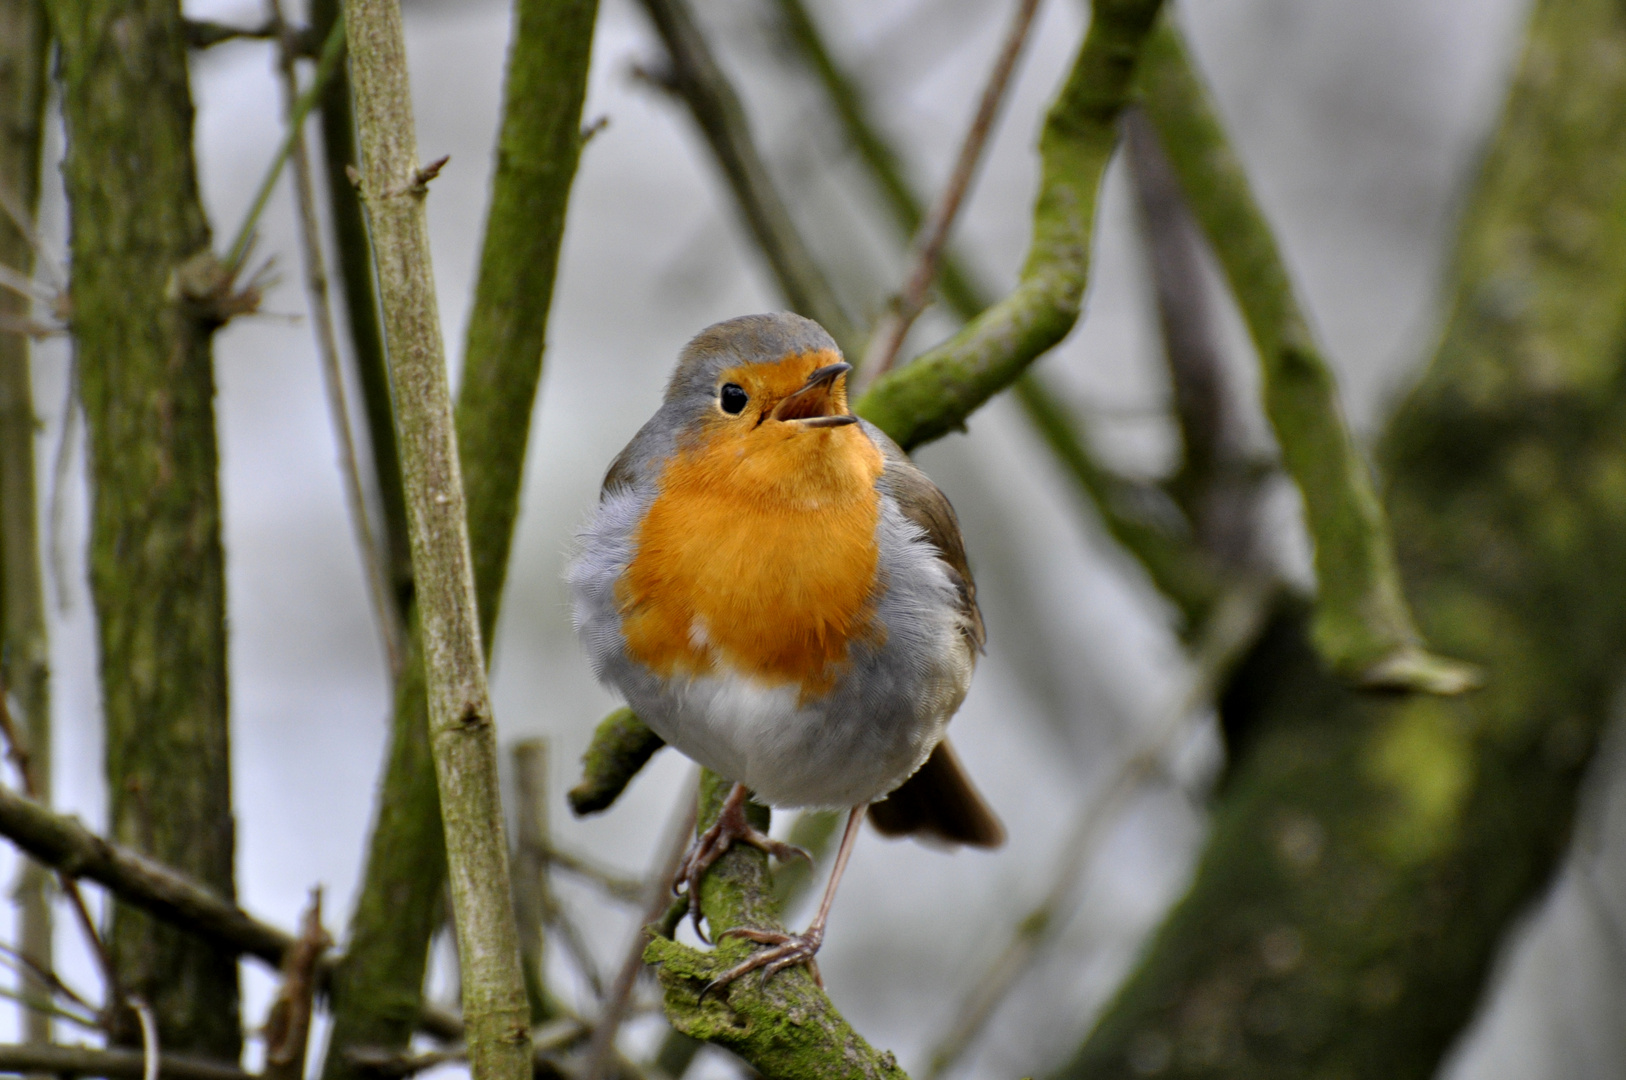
380,981
146,297
1368,854
24,646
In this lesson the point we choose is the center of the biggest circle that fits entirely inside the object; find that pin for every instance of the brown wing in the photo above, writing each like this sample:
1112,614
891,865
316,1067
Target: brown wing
938,802
926,506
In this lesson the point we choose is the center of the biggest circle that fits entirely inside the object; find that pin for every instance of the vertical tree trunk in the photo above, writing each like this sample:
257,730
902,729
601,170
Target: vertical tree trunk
1367,854
24,652
144,286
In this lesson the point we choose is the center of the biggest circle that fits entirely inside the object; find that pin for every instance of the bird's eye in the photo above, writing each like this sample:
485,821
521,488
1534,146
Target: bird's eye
733,399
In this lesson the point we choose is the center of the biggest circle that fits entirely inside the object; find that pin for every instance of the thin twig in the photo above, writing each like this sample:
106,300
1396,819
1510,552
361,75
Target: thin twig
20,961
287,1035
149,1038
25,286
61,463
18,753
46,1007
557,919
1237,620
68,1061
929,243
614,885
658,898
19,217
332,51
327,346
697,78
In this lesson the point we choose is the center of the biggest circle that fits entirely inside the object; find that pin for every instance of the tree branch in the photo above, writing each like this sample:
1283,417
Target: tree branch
148,295
620,746
538,148
1176,566
355,263
1367,855
70,1061
24,645
1363,626
786,1027
931,241
461,727
937,392
696,77
959,287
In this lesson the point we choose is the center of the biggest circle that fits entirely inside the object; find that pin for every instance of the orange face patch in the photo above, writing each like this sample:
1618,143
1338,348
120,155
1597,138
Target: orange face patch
758,553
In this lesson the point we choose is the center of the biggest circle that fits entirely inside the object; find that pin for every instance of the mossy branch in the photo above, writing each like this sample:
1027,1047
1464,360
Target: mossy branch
1363,626
462,731
537,151
1369,854
540,142
621,745
785,1028
1176,566
147,298
937,392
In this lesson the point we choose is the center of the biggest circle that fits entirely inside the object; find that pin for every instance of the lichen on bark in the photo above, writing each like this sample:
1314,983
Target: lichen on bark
143,327
1368,854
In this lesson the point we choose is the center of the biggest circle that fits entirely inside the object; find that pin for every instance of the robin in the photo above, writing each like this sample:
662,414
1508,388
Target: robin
781,594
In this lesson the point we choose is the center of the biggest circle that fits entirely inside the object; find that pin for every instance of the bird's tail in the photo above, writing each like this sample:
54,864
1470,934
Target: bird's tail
939,803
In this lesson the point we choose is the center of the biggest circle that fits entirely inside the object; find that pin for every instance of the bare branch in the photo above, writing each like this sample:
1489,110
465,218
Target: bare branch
658,897
696,77
462,734
66,1061
931,240
390,628
287,1033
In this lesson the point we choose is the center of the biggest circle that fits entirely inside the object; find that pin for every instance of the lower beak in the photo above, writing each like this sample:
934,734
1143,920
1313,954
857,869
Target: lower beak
821,402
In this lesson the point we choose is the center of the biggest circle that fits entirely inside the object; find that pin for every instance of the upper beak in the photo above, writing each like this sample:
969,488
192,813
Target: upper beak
821,402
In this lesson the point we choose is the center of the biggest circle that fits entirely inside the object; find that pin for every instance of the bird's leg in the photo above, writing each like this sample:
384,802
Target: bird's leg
787,950
710,846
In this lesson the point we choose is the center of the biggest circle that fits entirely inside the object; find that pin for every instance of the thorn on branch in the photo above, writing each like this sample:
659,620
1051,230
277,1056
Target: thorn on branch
597,125
210,287
418,186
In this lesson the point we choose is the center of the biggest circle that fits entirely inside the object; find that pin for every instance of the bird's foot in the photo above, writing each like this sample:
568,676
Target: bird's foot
785,950
711,845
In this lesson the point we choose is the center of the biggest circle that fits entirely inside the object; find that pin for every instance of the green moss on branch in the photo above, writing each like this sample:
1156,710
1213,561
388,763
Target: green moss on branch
1363,626
1368,854
785,1028
937,392
143,334
621,745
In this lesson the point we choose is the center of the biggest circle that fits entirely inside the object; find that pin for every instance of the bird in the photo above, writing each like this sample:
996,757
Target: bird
780,593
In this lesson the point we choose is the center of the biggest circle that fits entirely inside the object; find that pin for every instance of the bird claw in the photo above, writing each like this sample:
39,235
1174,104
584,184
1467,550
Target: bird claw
731,826
785,950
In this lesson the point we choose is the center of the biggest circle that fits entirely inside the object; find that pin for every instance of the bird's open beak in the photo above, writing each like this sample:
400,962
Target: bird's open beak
821,402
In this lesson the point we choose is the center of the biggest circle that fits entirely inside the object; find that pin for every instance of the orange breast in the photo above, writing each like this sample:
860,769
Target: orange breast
758,554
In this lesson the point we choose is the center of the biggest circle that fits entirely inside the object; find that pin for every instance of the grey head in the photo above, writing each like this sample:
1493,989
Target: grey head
749,339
